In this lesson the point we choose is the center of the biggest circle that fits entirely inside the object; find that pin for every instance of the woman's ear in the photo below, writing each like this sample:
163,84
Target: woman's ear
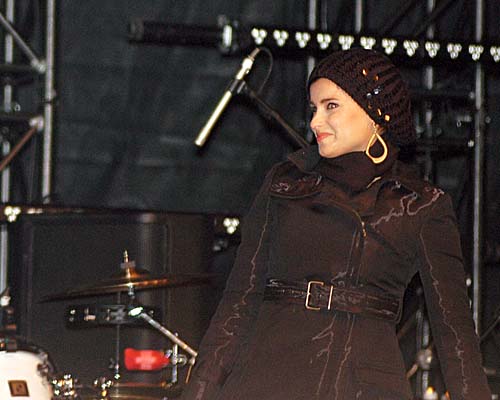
378,129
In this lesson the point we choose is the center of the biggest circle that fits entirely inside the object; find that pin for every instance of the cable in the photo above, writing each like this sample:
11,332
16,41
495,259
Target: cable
269,68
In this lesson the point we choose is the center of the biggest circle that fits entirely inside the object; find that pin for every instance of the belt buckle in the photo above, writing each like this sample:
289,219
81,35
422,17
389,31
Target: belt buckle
308,294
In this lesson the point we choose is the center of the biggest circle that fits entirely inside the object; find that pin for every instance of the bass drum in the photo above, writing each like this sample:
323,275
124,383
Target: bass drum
24,374
132,391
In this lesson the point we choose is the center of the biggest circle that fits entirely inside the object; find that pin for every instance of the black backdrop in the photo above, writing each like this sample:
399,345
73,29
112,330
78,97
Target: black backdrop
128,113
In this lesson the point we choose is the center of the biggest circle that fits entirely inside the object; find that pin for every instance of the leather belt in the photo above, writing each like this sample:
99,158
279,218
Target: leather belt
320,296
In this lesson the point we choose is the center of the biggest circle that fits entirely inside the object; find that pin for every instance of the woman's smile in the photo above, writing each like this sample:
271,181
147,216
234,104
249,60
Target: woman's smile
323,135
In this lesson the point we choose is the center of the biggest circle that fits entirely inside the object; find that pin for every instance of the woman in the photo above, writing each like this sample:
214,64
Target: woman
332,240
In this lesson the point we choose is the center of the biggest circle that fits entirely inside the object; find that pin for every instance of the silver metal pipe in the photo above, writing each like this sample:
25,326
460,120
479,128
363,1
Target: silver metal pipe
423,327
312,24
477,256
358,15
49,95
5,175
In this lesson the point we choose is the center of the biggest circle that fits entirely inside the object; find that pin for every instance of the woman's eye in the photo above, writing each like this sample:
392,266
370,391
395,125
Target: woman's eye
331,106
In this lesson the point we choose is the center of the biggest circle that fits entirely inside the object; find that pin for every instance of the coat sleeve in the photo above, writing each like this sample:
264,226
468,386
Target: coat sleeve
232,321
443,279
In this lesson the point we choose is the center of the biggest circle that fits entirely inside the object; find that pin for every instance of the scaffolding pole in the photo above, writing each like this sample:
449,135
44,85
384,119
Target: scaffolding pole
477,256
49,96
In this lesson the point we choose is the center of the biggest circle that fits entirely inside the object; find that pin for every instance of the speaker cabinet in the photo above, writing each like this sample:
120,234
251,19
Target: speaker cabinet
52,254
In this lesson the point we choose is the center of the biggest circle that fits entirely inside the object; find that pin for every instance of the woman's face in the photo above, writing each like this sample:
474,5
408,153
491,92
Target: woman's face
340,125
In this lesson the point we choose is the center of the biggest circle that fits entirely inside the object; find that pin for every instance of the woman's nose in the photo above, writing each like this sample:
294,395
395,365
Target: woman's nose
315,122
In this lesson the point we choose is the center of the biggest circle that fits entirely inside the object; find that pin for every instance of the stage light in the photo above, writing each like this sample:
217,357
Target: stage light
432,48
233,37
389,45
346,41
302,38
280,36
454,50
324,40
227,36
411,47
12,213
258,35
368,42
495,53
231,224
475,50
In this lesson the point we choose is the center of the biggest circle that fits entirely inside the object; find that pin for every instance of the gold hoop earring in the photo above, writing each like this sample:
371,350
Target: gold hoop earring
376,160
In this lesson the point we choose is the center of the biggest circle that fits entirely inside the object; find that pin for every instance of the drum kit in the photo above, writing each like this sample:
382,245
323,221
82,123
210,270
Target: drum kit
26,371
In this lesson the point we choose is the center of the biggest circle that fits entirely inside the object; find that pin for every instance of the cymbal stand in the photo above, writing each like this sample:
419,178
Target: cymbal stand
126,265
115,362
177,359
174,356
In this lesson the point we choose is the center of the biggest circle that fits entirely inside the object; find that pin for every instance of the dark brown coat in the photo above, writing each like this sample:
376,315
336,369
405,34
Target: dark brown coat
302,227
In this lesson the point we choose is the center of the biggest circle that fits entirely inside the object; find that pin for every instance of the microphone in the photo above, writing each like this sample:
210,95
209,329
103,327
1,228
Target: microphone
246,66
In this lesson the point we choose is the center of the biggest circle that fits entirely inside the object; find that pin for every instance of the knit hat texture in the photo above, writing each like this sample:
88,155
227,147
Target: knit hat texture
373,81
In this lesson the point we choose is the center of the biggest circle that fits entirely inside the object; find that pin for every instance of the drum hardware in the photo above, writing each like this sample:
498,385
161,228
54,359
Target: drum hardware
8,343
7,322
64,387
128,281
102,384
90,315
139,312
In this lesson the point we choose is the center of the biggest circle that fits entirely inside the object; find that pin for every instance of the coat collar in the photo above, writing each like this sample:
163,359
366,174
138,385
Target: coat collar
308,158
399,176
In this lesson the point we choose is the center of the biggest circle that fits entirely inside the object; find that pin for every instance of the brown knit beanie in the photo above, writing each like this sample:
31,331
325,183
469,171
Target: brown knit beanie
373,81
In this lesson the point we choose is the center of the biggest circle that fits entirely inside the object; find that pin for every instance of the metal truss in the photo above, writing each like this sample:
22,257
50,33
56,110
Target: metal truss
11,114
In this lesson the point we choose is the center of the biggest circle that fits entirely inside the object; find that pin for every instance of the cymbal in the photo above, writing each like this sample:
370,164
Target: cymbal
131,279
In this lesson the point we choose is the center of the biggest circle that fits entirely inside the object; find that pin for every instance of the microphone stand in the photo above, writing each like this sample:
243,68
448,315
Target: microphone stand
270,114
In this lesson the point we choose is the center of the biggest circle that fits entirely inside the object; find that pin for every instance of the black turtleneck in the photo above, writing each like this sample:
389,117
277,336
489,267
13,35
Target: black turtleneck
354,171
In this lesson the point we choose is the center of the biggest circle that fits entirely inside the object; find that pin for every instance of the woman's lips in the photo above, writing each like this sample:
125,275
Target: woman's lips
321,136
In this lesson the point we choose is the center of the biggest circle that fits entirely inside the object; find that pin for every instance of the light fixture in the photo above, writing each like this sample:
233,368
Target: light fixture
432,48
324,40
389,45
302,38
495,53
258,35
346,41
411,47
454,50
11,212
280,36
367,42
231,224
475,50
